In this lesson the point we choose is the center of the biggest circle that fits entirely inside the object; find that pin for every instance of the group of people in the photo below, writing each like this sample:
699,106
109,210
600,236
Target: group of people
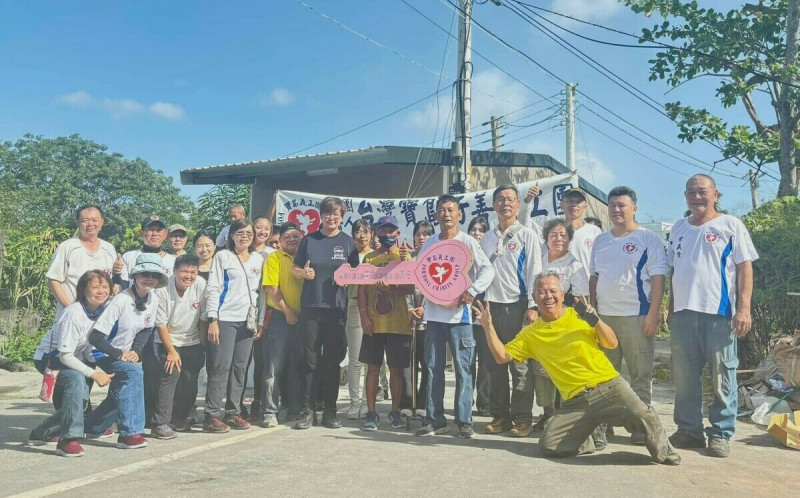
554,309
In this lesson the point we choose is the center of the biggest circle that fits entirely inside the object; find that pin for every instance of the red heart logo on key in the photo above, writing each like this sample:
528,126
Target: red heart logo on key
307,220
440,272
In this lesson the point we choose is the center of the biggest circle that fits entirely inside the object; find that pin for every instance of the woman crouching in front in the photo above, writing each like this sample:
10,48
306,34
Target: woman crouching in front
65,348
119,336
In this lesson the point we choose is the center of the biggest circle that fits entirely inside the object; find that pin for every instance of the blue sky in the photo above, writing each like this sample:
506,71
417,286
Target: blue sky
187,84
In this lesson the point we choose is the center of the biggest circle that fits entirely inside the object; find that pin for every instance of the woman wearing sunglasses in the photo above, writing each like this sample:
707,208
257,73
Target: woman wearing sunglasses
232,291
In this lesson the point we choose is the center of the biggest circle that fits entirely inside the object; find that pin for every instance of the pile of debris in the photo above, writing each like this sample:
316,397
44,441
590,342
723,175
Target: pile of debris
774,387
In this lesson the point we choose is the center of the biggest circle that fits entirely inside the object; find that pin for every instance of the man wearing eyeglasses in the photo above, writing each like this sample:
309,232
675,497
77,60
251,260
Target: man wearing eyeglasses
515,253
153,233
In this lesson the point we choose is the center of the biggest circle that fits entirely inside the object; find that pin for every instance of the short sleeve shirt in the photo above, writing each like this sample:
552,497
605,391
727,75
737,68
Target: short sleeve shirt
624,267
388,310
582,242
326,255
568,350
704,260
121,321
180,314
570,272
278,273
71,260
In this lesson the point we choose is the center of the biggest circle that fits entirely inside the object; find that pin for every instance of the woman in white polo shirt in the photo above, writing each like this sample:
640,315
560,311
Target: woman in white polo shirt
558,234
172,362
232,290
65,348
119,336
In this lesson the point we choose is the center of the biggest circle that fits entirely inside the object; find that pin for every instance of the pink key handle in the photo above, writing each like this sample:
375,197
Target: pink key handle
441,274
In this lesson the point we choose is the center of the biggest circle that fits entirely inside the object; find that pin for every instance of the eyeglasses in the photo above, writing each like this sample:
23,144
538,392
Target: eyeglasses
244,235
150,274
506,200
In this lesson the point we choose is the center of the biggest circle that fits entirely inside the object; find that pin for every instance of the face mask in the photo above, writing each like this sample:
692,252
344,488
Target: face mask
387,240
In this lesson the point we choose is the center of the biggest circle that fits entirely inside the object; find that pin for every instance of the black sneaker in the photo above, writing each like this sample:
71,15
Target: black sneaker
686,440
306,420
330,420
465,431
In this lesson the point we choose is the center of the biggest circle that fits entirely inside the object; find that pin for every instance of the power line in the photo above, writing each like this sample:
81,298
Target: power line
423,99
658,44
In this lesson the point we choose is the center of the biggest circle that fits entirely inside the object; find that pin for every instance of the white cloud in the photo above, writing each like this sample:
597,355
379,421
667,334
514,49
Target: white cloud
278,97
168,111
493,94
122,108
77,99
588,10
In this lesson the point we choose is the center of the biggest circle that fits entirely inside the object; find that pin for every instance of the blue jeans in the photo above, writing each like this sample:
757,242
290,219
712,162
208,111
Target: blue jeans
698,339
67,421
462,346
124,403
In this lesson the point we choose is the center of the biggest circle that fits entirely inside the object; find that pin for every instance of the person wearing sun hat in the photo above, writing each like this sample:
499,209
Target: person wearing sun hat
118,338
177,237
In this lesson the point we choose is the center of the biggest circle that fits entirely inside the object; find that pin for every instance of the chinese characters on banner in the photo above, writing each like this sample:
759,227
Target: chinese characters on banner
303,207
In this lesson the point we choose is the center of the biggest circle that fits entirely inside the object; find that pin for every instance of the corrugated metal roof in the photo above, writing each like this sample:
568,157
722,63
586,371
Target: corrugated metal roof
277,159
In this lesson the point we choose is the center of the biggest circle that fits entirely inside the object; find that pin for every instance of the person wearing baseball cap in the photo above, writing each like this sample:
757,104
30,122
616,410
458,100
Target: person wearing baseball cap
387,330
153,233
177,237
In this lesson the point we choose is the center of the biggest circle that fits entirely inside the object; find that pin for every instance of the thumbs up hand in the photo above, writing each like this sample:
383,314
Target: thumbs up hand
117,268
309,272
533,192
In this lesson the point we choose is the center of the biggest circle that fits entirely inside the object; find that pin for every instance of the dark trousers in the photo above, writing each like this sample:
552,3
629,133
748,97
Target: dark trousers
280,350
479,370
171,397
420,368
323,345
518,404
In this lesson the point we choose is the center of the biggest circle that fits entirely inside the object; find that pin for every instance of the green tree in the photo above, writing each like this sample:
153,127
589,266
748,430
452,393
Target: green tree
52,177
751,49
212,207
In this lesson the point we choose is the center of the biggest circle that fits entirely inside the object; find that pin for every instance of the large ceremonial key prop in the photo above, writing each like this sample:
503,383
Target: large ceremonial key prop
440,273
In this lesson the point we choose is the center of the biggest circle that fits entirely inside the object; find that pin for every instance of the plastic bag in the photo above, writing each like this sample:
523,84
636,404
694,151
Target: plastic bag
762,413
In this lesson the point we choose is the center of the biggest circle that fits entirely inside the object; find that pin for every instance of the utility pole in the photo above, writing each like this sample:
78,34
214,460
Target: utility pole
786,107
495,134
753,188
462,146
571,127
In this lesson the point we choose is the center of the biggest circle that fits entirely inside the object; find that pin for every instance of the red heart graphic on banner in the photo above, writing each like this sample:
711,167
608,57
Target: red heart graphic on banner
440,272
307,220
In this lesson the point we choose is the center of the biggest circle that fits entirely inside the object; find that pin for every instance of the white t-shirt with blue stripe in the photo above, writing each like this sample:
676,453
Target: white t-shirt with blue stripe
623,267
704,260
517,263
231,291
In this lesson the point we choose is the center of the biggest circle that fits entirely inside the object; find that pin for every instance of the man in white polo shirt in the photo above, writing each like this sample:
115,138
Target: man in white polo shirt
77,255
172,363
153,233
711,255
515,253
628,268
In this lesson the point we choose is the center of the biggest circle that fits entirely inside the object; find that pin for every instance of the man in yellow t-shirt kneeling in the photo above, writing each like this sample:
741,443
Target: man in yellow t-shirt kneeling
387,329
567,342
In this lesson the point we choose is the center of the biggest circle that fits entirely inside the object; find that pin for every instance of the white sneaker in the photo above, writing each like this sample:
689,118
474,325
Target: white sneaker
354,411
406,412
362,413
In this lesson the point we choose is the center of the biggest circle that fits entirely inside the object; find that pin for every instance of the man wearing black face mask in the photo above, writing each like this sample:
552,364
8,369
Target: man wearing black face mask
384,317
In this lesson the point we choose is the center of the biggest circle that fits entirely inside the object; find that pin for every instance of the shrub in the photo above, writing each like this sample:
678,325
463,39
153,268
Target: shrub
775,229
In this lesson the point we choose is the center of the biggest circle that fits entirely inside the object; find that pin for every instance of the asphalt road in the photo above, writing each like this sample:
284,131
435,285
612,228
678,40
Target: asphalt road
350,462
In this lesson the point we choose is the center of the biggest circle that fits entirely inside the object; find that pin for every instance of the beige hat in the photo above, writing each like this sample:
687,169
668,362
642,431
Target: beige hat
178,227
